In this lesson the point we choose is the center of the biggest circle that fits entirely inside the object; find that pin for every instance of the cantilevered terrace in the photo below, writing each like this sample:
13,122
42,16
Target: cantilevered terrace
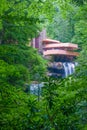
54,47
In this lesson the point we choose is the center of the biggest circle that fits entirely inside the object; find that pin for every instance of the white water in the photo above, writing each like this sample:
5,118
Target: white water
36,88
69,68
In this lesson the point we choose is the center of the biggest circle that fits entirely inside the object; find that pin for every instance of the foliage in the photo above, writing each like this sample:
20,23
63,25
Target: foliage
63,104
19,23
13,74
61,29
80,26
79,2
19,55
17,109
69,23
66,100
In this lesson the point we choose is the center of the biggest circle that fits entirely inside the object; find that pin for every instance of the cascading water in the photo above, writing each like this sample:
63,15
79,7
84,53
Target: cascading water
69,68
65,68
36,88
61,69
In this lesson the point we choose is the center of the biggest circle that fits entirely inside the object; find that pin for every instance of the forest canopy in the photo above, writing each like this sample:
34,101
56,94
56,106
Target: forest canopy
63,102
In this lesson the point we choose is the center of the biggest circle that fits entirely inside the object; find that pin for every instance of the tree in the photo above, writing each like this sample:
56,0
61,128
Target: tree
64,101
25,56
61,28
18,108
80,26
19,22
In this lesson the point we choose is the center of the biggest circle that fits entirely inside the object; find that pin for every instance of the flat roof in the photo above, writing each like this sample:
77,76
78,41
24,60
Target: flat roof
50,41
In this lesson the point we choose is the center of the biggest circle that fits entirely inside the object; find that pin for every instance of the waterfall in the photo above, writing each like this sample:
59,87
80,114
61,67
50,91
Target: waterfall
65,65
36,88
69,68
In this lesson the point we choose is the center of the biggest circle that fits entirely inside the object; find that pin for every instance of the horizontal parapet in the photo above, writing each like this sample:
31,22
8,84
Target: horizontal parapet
60,52
63,46
50,41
